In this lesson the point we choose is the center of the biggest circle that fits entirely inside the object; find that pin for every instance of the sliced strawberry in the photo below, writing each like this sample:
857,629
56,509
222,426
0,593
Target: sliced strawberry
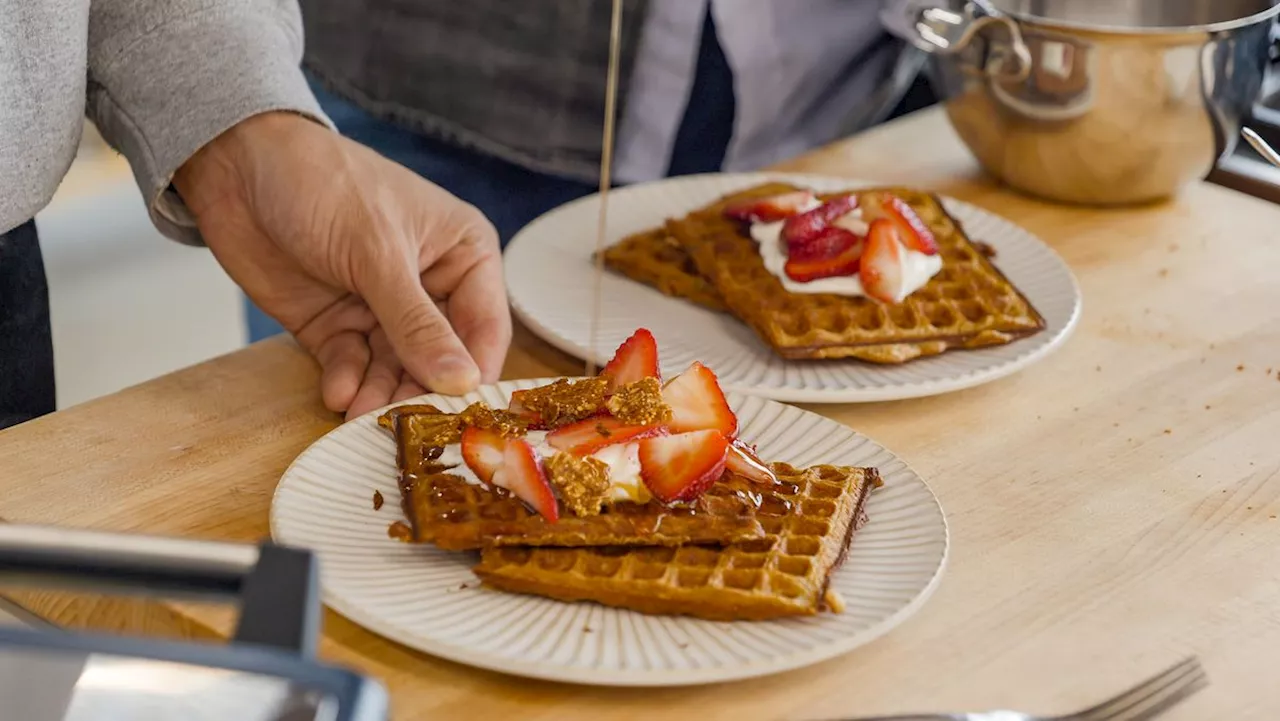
912,231
588,436
635,359
521,473
743,461
770,209
852,222
827,244
697,403
800,229
531,417
482,451
681,467
881,270
834,252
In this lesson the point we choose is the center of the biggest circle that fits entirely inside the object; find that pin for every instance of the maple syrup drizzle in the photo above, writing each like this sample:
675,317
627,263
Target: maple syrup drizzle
606,168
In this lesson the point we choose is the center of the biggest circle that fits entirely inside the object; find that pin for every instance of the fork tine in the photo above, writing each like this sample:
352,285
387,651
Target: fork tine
1175,697
1173,682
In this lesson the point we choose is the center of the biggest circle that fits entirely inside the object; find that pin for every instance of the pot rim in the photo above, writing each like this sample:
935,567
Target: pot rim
1120,30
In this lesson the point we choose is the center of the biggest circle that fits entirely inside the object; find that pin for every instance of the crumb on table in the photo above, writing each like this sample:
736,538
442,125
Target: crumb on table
377,500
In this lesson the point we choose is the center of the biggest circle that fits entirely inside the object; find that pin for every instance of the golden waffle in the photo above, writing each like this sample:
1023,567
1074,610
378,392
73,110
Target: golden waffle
969,304
445,510
655,259
810,517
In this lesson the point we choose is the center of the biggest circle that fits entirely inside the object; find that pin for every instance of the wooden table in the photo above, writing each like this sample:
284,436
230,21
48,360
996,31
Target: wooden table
1113,508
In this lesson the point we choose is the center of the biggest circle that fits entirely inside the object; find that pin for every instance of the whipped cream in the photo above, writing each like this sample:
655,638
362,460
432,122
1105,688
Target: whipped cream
917,267
623,459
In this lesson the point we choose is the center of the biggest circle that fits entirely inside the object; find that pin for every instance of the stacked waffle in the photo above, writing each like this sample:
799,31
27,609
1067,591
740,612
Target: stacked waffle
710,258
627,492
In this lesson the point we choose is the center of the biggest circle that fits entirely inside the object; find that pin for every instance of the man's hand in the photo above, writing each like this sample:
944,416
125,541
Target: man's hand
393,284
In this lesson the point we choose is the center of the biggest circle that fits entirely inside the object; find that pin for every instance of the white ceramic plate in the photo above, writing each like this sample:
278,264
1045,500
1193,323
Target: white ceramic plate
550,277
429,599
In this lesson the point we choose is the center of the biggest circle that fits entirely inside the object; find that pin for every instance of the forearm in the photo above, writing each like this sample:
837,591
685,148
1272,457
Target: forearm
168,76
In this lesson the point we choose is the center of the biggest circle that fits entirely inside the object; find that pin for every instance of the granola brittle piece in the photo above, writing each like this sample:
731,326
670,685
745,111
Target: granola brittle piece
566,401
583,483
640,403
433,430
506,423
388,419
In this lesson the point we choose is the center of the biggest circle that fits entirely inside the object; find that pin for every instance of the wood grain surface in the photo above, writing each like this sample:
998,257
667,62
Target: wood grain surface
1113,508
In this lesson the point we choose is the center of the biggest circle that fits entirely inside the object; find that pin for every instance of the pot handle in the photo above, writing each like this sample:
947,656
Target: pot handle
1261,146
940,31
1264,149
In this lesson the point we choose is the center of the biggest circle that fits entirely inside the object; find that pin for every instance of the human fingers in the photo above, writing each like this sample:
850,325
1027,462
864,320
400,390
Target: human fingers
381,378
421,335
470,275
479,313
343,359
409,388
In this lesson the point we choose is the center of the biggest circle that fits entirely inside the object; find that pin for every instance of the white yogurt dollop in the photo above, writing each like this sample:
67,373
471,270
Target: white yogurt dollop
623,460
917,268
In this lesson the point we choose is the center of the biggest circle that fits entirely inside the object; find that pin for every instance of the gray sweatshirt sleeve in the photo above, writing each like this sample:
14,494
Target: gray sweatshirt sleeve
167,76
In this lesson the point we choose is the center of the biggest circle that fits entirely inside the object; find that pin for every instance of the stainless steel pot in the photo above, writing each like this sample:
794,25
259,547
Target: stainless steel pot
1101,102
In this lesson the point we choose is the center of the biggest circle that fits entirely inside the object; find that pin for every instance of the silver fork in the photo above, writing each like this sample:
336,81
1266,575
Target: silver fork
1140,703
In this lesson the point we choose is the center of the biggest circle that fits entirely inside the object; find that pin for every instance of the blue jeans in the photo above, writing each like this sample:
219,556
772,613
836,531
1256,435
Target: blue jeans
26,343
510,196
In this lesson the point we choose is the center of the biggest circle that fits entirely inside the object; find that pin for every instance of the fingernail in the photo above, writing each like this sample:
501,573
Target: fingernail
454,374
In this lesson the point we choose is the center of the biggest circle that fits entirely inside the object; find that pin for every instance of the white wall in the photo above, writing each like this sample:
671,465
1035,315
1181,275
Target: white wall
127,303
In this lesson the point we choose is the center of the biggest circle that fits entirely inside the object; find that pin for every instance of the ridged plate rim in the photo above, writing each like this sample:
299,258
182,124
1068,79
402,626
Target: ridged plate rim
536,286
286,514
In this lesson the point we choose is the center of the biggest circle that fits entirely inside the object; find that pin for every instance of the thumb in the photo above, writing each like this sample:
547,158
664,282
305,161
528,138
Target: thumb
420,334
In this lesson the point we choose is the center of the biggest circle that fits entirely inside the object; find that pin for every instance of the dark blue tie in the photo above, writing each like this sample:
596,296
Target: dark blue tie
707,125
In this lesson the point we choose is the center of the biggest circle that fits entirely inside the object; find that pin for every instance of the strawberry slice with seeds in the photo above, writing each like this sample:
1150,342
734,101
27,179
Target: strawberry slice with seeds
522,473
881,270
834,252
802,228
770,209
681,467
697,403
588,436
482,451
912,231
827,244
743,461
636,359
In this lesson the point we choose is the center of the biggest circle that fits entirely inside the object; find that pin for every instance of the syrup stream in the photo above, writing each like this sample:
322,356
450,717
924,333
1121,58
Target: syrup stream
606,168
